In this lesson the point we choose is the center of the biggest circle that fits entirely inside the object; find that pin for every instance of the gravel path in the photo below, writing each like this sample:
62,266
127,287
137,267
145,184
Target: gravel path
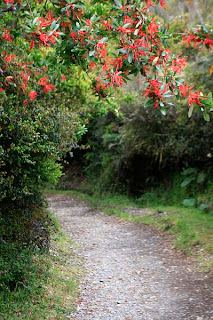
132,273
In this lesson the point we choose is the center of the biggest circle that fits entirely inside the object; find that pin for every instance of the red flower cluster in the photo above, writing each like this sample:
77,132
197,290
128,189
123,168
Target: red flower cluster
178,65
199,39
184,90
154,92
32,95
9,1
195,99
117,79
6,35
43,34
47,87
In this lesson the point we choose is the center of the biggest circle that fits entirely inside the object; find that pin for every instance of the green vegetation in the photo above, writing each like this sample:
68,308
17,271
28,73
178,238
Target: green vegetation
111,148
38,285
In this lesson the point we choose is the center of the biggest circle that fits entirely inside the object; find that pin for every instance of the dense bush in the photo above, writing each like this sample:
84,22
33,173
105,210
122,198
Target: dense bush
141,149
32,140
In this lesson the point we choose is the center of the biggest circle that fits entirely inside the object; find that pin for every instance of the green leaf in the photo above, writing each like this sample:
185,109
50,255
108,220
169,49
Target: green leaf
91,53
163,111
138,24
91,42
126,25
172,30
136,32
161,103
117,3
130,57
53,25
201,178
104,39
134,71
204,207
190,111
189,171
189,202
123,50
155,61
206,116
209,99
35,20
187,181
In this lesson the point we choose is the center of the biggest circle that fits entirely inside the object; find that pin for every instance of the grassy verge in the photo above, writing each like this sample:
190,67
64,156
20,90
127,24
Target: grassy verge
50,287
191,230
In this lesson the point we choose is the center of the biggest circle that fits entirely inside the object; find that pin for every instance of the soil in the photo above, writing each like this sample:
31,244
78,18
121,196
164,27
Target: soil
132,273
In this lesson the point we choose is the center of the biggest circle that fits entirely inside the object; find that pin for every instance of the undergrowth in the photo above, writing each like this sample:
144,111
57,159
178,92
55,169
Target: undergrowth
41,285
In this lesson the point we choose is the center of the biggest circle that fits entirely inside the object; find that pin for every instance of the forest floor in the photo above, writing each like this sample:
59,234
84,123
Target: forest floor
132,272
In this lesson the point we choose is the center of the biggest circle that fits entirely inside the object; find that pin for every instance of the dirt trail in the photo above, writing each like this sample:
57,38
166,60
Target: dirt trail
132,273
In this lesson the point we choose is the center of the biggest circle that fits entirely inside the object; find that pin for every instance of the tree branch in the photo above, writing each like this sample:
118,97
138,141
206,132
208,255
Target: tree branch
12,9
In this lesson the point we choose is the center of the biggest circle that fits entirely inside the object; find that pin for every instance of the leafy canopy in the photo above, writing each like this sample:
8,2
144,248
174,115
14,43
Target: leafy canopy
109,40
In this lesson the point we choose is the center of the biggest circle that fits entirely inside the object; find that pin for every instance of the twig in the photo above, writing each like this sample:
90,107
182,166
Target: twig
55,3
141,15
12,8
30,8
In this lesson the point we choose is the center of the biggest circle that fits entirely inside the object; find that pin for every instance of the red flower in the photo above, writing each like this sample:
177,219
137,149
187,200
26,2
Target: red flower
2,90
32,45
184,90
9,78
9,1
194,98
73,35
208,43
154,89
101,49
156,105
107,24
26,102
178,64
48,88
163,3
43,81
44,38
153,28
32,95
63,78
117,79
88,22
125,30
6,35
9,58
100,86
92,65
